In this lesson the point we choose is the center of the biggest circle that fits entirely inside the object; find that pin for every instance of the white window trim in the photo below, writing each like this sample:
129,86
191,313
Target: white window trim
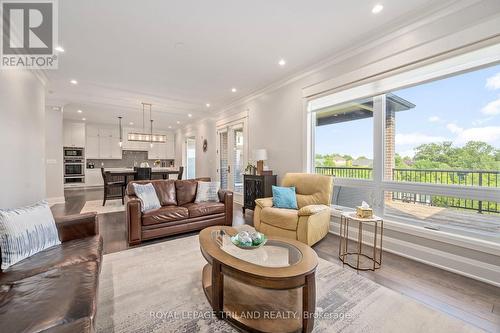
449,67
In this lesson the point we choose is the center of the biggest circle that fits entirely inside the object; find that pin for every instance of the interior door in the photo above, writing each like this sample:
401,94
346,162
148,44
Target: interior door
232,157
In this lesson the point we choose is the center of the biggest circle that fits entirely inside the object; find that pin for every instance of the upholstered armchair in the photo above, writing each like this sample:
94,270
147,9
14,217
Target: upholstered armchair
310,222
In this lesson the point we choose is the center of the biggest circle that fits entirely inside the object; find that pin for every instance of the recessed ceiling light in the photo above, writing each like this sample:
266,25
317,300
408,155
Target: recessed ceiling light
84,119
208,105
377,8
282,62
131,123
59,49
79,111
233,89
73,82
190,115
178,122
169,126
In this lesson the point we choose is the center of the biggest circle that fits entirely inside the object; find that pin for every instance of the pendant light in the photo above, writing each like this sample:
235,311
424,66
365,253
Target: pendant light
144,136
120,129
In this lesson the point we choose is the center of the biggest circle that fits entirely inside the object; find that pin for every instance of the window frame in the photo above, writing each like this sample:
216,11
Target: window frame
376,89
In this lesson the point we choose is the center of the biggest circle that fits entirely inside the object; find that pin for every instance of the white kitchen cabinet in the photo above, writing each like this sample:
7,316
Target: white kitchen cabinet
74,134
93,177
170,147
158,152
92,148
103,143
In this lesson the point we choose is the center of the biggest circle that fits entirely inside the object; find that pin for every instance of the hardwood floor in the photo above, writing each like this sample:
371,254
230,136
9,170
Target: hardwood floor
475,302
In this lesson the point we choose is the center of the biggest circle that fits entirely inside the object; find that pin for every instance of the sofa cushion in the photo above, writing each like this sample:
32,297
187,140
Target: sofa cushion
49,299
68,253
147,194
205,208
165,214
26,231
185,191
280,217
165,189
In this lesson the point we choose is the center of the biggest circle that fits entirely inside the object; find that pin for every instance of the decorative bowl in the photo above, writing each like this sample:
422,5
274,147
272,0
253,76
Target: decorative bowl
235,240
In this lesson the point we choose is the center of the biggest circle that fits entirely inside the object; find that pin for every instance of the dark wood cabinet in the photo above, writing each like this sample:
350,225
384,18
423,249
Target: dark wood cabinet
255,187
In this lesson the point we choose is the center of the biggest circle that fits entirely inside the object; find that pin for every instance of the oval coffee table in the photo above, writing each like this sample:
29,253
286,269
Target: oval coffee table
269,289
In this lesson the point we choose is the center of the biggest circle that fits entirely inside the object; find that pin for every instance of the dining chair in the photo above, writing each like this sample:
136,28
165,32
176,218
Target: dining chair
142,173
110,184
181,171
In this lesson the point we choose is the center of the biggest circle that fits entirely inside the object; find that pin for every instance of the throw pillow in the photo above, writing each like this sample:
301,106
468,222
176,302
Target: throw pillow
148,197
207,191
284,197
26,231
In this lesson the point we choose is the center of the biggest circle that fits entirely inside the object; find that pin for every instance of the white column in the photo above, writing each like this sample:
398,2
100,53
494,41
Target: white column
22,138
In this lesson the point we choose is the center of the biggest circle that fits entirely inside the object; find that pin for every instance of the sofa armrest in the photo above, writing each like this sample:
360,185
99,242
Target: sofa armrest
264,202
226,197
312,209
133,215
77,226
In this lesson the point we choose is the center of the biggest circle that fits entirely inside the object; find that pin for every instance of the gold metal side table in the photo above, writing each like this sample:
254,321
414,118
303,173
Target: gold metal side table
371,261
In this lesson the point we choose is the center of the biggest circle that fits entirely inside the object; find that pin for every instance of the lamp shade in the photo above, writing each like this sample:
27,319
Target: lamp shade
260,154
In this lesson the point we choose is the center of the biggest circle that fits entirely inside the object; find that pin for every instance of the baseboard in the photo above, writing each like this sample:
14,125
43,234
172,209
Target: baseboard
56,200
468,267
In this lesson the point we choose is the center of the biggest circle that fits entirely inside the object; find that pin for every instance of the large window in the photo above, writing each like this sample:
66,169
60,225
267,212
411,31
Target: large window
426,155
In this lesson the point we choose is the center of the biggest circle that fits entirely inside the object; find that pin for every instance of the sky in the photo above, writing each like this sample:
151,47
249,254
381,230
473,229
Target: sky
459,109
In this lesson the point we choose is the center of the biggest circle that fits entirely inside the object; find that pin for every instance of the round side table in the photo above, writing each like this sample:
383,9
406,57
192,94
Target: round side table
375,258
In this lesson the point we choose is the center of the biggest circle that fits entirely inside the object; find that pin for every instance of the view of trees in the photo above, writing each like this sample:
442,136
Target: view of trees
475,155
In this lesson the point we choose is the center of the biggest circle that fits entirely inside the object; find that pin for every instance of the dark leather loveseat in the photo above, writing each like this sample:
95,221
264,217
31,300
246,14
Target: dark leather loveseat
55,290
178,212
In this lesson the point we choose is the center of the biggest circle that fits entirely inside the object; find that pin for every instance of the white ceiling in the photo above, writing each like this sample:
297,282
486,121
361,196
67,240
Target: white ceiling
180,55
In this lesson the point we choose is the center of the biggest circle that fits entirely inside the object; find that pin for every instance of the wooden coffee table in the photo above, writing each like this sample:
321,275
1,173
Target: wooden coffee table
269,289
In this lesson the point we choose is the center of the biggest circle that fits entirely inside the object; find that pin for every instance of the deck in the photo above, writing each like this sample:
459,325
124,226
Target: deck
486,223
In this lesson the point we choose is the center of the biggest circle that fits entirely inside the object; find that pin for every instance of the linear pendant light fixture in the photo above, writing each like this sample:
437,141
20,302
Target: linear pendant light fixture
147,137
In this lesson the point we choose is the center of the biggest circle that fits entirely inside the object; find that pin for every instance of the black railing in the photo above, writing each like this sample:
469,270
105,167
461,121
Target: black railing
483,178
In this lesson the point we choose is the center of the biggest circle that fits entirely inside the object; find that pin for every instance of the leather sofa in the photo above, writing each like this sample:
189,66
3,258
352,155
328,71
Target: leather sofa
55,290
178,212
308,224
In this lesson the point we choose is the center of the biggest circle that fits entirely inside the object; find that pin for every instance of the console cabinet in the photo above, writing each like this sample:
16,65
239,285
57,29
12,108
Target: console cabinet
255,187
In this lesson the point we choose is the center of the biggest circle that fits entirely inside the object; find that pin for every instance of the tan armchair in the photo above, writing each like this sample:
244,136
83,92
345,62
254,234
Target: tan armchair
310,223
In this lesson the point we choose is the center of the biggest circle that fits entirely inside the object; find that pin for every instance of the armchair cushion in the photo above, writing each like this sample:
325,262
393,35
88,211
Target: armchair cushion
280,217
264,202
312,209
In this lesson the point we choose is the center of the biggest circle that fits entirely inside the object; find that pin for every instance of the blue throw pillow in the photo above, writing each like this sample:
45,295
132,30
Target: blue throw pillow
284,197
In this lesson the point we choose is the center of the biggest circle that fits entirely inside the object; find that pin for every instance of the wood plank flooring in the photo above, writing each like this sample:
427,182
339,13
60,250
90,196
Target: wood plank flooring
475,302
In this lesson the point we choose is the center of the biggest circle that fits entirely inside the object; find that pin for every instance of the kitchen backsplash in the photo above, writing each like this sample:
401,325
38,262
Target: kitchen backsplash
129,158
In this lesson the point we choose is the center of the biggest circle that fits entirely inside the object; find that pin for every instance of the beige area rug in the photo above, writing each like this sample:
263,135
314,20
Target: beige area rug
157,288
96,206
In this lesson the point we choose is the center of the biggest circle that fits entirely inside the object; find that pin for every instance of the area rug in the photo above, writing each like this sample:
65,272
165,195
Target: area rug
96,206
157,288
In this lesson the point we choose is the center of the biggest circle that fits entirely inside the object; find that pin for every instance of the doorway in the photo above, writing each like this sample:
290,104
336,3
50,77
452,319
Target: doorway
191,157
232,146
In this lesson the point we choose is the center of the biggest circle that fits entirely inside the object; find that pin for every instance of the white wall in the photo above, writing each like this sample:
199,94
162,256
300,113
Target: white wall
54,173
205,161
22,138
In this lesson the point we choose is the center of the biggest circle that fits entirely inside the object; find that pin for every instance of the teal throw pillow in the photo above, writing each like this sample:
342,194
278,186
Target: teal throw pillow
284,197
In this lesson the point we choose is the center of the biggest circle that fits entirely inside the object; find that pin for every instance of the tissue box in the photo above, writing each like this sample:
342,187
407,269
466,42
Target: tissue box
366,213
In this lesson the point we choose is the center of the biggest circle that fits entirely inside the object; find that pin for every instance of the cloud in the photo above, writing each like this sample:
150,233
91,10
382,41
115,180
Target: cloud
481,121
493,82
488,134
417,139
434,119
492,108
453,128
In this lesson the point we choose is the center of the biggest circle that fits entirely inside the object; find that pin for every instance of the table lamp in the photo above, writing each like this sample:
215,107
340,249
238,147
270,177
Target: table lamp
260,155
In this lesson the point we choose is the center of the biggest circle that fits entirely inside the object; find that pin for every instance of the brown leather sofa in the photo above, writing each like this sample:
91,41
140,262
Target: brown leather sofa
178,212
55,290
